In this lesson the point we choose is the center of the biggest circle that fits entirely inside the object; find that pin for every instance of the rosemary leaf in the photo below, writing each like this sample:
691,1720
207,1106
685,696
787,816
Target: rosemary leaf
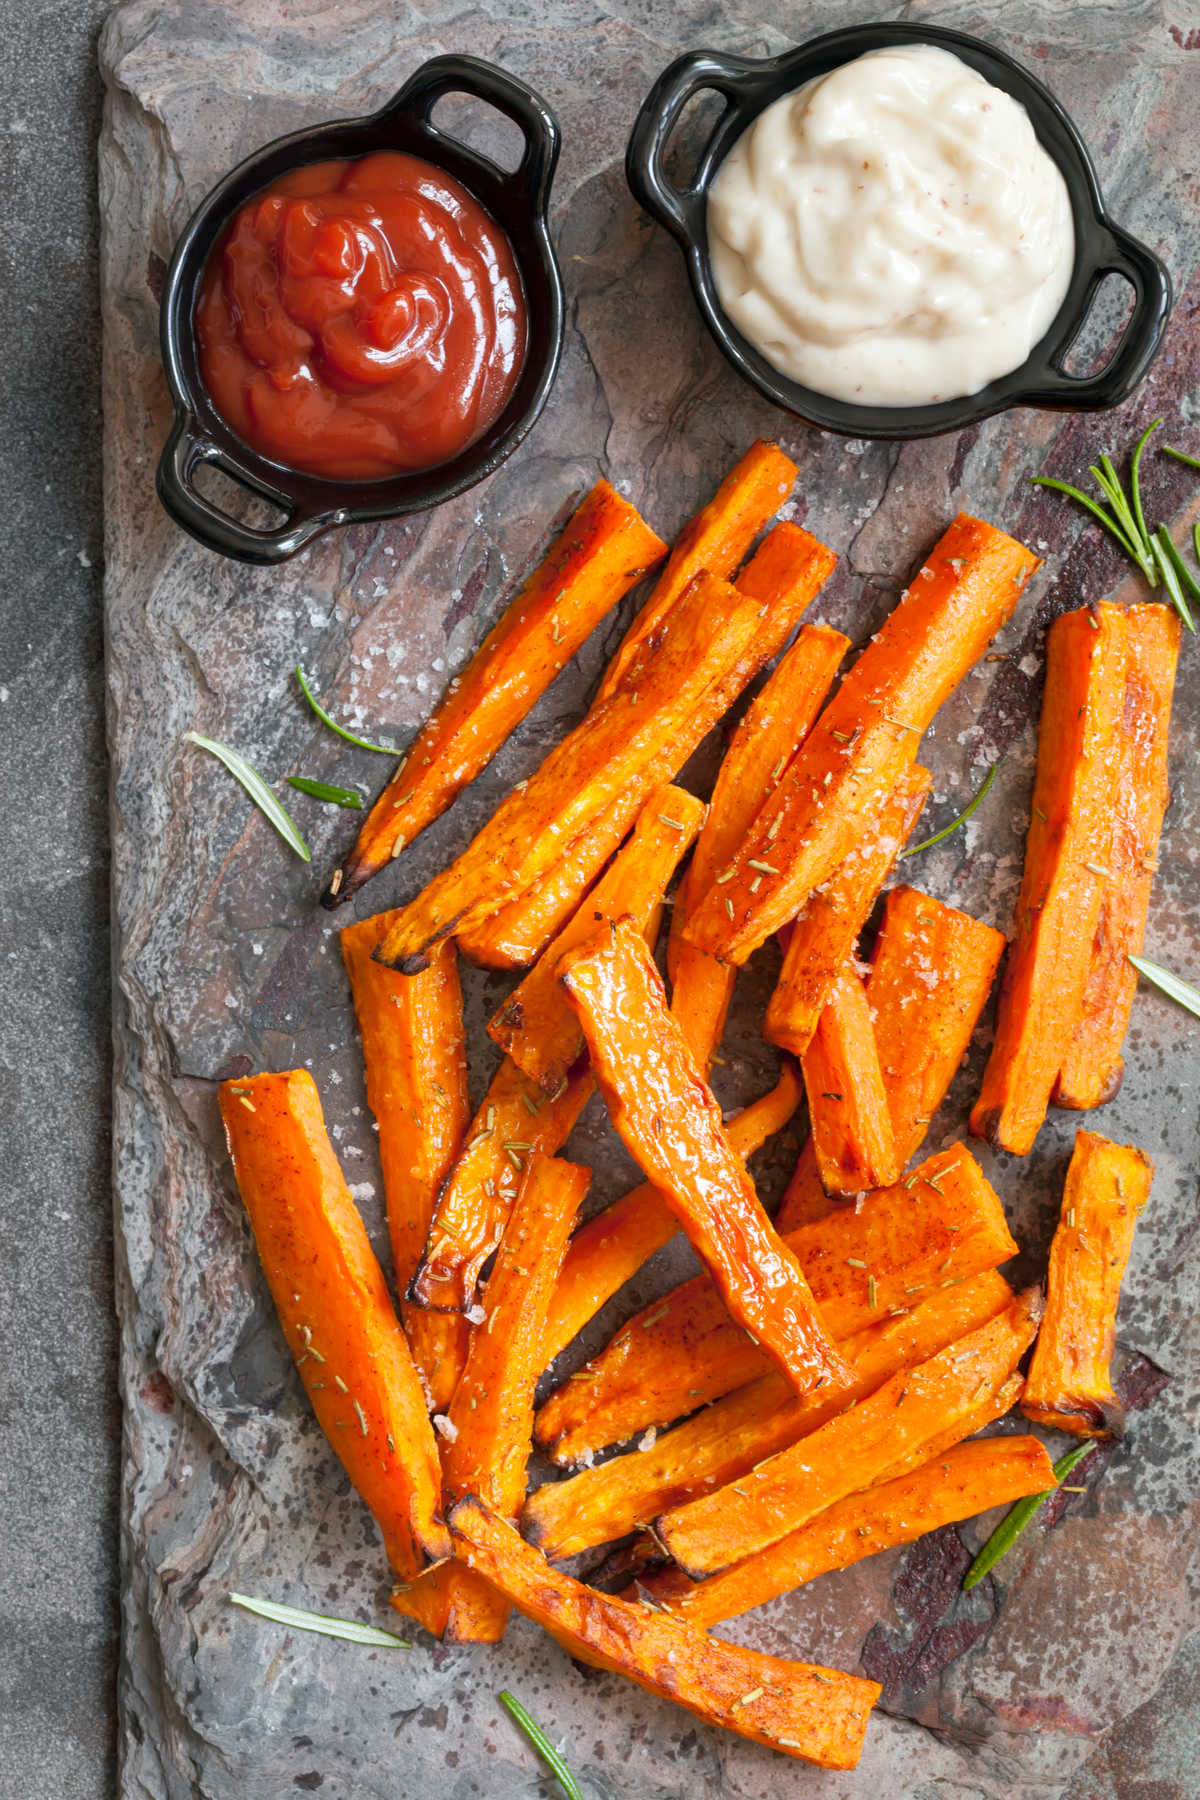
1014,1522
1135,485
1193,462
257,789
383,749
971,806
1098,513
1176,576
1169,984
324,790
320,1622
542,1745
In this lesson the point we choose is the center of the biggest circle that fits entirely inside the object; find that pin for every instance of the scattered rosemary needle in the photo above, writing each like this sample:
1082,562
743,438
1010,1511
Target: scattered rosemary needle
1193,462
542,1745
975,802
320,1622
325,790
257,789
1021,1515
363,744
1169,984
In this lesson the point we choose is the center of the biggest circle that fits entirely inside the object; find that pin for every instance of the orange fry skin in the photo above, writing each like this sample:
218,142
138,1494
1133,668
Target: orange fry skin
536,1026
942,1224
704,638
931,974
823,937
964,1480
716,539
1092,1066
776,722
416,1064
335,1310
516,1117
1069,1386
817,1715
852,1137
1062,888
611,1247
866,737
602,551
915,1408
486,1448
670,1122
783,575
723,1440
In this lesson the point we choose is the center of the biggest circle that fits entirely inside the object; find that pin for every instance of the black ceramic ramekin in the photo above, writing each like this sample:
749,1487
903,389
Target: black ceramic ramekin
518,202
1101,248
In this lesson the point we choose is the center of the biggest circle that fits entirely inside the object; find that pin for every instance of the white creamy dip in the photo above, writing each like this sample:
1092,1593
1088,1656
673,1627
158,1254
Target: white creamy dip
892,233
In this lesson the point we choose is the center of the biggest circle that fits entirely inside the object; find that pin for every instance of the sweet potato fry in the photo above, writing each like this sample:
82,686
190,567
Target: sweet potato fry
722,1441
942,1224
775,724
716,539
1058,908
818,1715
516,1117
334,1307
604,548
823,937
415,1057
855,1450
490,1422
931,974
705,637
783,575
536,1027
429,1597
965,1480
866,737
613,1245
1069,1386
1092,1067
852,1137
670,1123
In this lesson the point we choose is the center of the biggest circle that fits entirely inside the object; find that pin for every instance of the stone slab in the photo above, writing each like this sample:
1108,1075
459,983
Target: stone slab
220,953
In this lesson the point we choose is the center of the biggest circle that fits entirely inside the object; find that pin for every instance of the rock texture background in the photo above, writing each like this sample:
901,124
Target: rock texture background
223,961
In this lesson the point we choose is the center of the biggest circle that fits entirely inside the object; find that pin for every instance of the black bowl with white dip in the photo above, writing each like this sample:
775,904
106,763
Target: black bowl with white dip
895,231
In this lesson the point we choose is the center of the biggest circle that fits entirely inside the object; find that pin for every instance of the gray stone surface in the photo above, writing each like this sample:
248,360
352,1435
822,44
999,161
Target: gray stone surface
220,953
58,1404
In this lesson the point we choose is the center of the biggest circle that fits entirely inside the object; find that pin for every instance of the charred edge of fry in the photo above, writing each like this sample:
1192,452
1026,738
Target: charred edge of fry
1082,1418
1111,1089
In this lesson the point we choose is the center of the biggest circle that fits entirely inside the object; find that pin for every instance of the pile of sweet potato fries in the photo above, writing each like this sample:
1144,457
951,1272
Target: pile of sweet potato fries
807,1400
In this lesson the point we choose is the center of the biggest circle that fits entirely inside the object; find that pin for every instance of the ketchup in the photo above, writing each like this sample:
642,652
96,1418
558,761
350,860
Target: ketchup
361,319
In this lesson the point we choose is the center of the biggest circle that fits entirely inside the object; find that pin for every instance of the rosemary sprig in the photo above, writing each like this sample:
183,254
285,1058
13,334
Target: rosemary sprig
1123,518
542,1745
972,805
383,749
1169,984
257,789
320,1622
1021,1515
1177,577
325,790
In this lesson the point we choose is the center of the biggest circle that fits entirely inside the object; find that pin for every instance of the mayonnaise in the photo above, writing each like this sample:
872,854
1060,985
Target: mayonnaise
892,234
